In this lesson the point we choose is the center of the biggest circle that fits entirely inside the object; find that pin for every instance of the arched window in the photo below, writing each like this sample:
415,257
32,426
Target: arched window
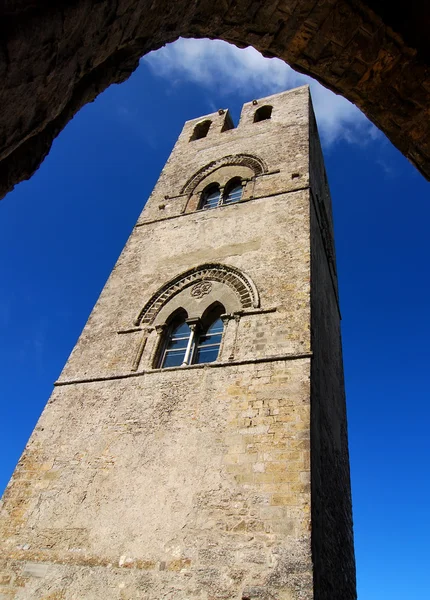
193,341
176,342
263,113
208,341
210,197
233,191
201,130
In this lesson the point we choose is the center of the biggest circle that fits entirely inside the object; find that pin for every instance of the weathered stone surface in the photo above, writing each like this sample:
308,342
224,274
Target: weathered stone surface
55,57
226,480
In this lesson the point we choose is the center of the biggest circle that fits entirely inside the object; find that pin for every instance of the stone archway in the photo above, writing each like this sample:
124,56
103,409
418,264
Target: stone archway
241,284
56,57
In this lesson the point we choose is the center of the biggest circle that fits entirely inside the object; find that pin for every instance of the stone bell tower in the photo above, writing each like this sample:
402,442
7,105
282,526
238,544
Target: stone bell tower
195,444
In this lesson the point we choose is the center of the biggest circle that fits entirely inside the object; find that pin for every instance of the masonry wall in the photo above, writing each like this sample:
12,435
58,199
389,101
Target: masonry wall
332,538
171,487
191,482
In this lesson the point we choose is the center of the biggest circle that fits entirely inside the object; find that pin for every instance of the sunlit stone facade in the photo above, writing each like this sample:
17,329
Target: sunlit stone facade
195,444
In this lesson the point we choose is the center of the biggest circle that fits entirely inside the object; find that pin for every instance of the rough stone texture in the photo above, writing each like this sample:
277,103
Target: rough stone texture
55,57
332,542
221,481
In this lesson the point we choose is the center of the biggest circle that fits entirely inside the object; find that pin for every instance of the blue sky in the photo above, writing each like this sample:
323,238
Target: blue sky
62,232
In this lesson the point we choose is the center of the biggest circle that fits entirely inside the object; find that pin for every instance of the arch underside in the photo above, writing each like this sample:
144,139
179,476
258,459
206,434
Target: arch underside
241,284
56,57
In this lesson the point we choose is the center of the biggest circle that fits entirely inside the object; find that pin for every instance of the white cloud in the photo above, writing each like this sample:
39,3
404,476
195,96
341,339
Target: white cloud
214,64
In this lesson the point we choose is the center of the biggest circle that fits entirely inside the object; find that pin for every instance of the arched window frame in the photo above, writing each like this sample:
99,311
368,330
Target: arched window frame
223,194
213,282
195,340
250,161
167,331
210,197
243,286
203,333
234,184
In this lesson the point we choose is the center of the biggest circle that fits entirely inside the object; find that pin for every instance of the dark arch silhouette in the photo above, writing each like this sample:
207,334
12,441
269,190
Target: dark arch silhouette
263,113
201,130
56,57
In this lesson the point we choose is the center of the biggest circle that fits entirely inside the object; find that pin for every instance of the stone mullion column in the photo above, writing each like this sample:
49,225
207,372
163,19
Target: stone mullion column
194,325
221,195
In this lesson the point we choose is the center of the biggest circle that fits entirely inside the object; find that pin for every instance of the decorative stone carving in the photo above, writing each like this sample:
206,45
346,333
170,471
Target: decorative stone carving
201,289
